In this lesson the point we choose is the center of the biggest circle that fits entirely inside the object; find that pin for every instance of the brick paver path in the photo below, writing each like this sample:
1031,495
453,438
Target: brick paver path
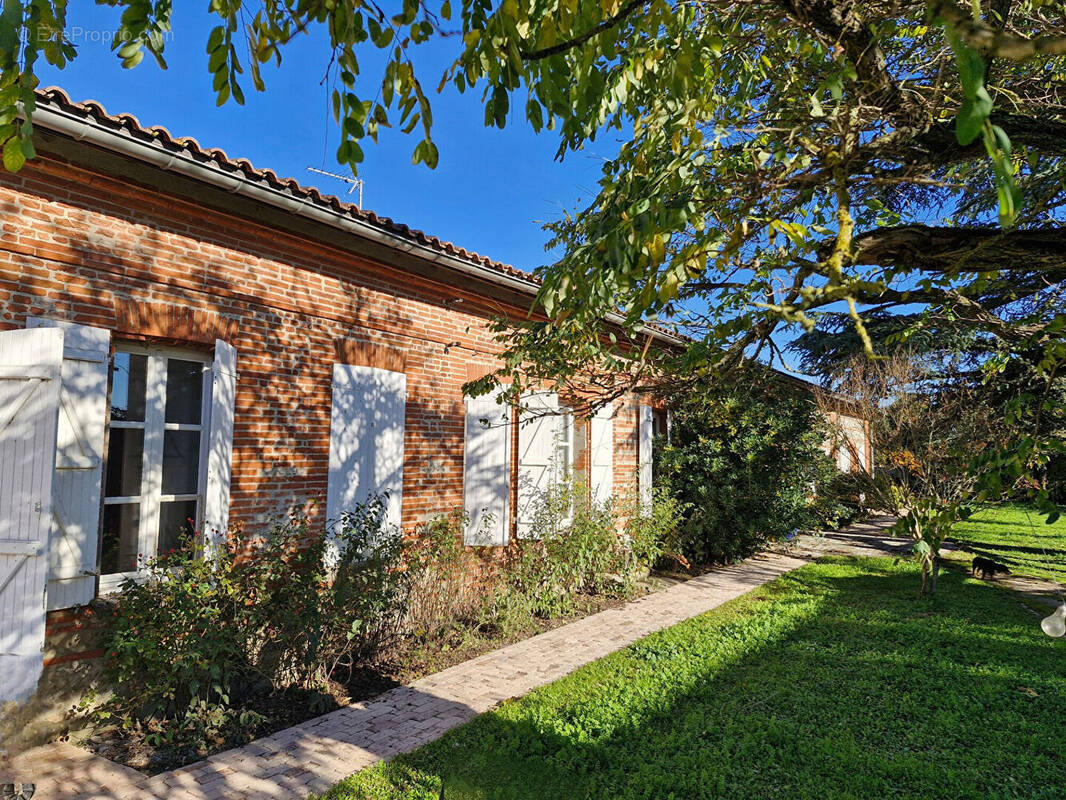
314,755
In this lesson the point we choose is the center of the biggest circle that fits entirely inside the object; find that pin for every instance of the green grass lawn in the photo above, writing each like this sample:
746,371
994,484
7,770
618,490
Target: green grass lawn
1018,537
835,681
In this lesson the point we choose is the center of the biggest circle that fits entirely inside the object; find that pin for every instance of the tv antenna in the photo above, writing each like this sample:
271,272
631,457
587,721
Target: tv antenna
353,183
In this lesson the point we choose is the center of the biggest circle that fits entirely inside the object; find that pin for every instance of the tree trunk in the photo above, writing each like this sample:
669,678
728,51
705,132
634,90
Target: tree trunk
930,573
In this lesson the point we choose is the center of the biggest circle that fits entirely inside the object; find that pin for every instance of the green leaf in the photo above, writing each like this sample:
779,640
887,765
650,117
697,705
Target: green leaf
14,156
972,115
816,107
432,155
534,115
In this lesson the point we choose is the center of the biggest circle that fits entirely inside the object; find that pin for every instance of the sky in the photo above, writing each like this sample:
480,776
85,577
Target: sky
491,192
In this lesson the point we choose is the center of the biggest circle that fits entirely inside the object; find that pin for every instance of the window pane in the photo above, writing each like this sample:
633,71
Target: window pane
177,518
181,462
125,453
185,383
118,540
129,374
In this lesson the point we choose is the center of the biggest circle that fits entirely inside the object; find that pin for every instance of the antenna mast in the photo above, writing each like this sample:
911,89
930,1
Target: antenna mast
353,183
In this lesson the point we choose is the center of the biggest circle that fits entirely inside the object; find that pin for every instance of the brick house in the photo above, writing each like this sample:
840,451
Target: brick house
183,336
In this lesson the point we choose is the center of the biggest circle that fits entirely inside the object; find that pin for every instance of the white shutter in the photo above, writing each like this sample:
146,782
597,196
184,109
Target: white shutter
366,439
76,483
487,470
854,444
539,429
644,456
30,370
220,444
601,455
843,457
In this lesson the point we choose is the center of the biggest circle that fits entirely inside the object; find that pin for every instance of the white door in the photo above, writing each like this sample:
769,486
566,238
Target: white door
76,482
30,369
366,439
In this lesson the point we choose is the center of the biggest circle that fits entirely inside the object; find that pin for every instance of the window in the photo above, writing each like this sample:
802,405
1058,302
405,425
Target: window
156,466
659,425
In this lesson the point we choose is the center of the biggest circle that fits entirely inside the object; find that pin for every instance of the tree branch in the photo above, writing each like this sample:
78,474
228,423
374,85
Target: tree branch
981,36
942,249
841,24
577,41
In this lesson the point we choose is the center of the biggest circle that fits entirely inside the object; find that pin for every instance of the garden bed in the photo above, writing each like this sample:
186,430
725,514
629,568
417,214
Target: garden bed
409,659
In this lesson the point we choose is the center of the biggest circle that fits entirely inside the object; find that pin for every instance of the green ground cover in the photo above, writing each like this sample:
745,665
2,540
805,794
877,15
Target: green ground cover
1018,537
834,681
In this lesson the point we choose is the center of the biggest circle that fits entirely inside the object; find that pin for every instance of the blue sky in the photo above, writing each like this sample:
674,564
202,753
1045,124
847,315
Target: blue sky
491,191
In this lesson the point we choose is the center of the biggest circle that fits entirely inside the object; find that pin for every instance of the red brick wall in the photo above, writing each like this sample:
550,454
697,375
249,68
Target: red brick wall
83,246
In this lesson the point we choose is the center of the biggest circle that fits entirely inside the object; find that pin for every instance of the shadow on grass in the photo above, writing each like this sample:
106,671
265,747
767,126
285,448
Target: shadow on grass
995,547
1033,523
841,684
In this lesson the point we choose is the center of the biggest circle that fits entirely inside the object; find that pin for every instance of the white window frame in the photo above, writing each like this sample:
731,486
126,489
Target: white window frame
564,448
565,455
154,426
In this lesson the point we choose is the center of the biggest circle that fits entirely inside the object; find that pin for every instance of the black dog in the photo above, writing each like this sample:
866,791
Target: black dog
987,567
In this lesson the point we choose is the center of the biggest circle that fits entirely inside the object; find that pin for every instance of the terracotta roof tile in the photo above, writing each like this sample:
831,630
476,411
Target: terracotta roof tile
56,97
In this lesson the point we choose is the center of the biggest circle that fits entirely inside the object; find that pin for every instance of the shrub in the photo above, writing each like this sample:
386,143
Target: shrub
195,637
442,592
175,641
198,644
652,533
746,461
585,557
583,547
841,497
314,605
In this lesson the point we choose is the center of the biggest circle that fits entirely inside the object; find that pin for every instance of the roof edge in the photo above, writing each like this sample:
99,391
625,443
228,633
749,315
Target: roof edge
124,135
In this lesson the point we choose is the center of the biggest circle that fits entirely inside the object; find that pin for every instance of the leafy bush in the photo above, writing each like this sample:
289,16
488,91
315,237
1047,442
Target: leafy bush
1055,476
195,637
202,647
586,557
746,461
652,533
583,547
315,606
841,497
175,642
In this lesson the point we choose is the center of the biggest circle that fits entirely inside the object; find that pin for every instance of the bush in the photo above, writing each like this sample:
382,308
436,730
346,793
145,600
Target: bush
1055,477
196,637
443,593
582,547
841,497
747,463
315,606
652,533
201,648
